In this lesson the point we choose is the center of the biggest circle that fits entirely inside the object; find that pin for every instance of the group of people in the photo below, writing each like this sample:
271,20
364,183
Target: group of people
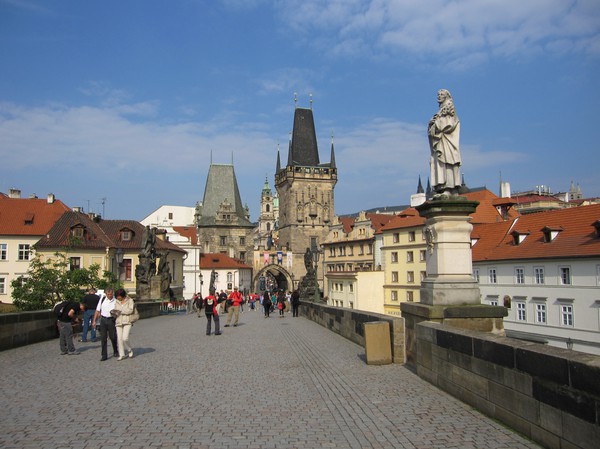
234,302
113,312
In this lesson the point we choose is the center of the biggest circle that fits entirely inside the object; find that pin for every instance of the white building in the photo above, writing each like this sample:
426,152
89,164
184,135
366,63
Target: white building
179,223
545,268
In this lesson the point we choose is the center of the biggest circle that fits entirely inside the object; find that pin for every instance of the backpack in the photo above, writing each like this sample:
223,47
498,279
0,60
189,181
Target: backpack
60,308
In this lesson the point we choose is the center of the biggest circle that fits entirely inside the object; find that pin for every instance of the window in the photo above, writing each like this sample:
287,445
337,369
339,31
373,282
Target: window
493,302
394,276
77,232
351,287
539,275
410,257
411,236
394,296
125,270
394,256
566,315
170,215
23,251
540,313
565,275
395,237
243,255
422,255
410,295
370,248
351,250
492,276
521,315
410,277
361,250
242,241
476,275
126,235
223,239
341,287
2,286
519,275
74,263
229,276
3,251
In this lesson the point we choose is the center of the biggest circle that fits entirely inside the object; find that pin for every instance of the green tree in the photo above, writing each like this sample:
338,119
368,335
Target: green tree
51,281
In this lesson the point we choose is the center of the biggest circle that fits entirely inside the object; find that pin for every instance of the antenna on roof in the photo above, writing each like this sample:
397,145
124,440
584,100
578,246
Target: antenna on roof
295,100
310,95
103,203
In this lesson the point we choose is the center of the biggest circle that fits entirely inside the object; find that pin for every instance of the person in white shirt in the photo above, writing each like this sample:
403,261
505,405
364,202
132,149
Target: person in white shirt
107,323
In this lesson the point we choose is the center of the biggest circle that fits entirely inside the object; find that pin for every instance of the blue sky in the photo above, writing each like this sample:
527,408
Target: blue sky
126,100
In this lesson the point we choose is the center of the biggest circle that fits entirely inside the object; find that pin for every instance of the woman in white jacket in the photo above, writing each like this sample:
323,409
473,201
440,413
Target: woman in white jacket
124,311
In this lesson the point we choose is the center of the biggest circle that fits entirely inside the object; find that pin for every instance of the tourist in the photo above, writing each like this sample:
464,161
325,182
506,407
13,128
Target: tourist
295,302
236,299
125,314
89,302
66,314
266,302
211,304
281,303
107,323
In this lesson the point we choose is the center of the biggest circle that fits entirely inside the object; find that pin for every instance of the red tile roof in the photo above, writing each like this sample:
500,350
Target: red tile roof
578,237
218,260
28,216
99,234
187,231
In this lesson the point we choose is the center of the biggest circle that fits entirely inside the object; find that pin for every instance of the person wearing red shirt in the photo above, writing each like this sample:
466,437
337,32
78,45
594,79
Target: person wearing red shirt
234,311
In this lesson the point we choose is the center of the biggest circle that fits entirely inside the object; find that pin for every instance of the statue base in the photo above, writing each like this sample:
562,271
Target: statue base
483,318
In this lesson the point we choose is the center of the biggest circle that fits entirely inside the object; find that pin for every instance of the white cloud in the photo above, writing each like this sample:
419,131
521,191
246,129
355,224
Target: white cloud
449,29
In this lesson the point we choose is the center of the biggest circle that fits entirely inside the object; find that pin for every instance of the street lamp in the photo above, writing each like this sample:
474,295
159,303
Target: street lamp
119,261
316,253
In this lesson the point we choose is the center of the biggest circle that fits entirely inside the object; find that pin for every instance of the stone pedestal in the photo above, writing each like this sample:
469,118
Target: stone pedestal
449,279
449,293
155,288
378,347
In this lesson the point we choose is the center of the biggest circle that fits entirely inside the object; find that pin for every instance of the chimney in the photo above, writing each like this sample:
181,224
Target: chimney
33,196
77,209
51,198
14,193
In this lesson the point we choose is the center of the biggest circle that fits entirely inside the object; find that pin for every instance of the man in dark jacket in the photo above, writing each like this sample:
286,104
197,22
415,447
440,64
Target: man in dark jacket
90,302
66,314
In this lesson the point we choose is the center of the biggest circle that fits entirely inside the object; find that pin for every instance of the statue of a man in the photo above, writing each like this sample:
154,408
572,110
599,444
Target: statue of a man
308,260
149,239
444,134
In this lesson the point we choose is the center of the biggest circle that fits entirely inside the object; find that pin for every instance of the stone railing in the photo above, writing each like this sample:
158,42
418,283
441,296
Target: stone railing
349,323
549,394
23,328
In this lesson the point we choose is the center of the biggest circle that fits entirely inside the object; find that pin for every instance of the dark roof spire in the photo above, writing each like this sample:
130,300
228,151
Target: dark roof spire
278,168
420,186
303,148
332,160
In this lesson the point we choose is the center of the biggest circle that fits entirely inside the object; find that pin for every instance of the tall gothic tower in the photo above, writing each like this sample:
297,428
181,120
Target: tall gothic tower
269,214
305,188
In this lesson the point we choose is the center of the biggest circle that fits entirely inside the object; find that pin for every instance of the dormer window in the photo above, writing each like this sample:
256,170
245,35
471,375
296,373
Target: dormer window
519,236
596,225
550,233
78,232
28,221
126,235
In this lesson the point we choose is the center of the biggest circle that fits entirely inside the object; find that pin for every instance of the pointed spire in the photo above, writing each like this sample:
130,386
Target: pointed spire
420,186
332,160
428,192
278,168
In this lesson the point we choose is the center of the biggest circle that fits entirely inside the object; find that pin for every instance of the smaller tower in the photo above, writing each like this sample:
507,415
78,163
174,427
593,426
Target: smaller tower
268,218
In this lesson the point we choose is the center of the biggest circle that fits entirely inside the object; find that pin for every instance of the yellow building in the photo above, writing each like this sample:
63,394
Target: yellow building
112,244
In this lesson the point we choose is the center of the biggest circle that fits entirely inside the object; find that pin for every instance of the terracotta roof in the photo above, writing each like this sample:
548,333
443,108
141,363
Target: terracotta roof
28,216
347,224
576,236
99,234
379,220
187,231
218,260
535,198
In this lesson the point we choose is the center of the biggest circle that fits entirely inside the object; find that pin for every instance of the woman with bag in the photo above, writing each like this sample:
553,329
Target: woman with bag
126,314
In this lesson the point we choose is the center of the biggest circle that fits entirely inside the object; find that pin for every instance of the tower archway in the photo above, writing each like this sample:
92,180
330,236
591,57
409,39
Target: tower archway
272,277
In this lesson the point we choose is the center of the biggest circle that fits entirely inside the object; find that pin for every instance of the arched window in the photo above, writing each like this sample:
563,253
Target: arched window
268,208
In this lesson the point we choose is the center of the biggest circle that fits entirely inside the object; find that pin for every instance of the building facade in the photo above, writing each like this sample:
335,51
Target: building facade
23,221
545,269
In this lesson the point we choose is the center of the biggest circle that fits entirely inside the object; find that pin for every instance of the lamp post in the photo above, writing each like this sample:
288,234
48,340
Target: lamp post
316,253
119,261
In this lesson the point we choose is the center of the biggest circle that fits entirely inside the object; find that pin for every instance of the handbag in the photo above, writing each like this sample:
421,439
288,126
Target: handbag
135,315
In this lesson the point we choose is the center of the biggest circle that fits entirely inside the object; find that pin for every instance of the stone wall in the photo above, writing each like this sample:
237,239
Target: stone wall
550,395
23,328
349,323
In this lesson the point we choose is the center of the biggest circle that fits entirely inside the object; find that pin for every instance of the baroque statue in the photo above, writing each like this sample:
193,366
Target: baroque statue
444,134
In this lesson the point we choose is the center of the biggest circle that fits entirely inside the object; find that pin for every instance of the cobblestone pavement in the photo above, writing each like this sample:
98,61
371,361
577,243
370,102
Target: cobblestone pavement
268,383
